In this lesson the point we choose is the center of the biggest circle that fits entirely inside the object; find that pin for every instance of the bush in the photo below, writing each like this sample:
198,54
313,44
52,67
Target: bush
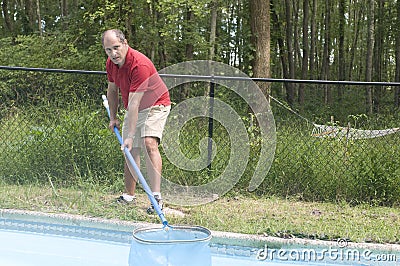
70,144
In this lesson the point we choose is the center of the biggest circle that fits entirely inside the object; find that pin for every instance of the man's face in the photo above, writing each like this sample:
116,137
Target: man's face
115,49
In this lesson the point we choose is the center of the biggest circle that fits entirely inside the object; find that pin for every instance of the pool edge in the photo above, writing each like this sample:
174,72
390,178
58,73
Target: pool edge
218,237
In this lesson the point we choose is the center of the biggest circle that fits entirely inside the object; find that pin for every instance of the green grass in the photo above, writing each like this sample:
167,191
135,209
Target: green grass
65,160
233,213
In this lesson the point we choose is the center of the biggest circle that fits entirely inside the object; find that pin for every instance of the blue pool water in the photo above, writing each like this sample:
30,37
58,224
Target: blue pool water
30,243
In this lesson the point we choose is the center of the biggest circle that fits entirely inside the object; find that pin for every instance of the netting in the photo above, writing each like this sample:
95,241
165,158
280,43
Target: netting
178,246
324,131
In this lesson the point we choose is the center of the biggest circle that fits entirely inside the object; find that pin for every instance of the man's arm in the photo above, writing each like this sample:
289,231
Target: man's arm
133,113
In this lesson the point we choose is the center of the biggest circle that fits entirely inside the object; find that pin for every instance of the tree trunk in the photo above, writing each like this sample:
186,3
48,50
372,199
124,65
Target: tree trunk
260,27
7,19
213,29
39,17
326,52
290,93
369,55
64,13
358,17
238,59
341,49
30,16
304,64
189,48
378,61
296,34
281,44
313,40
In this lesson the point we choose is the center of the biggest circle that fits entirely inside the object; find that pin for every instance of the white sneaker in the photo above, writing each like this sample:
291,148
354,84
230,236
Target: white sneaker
126,199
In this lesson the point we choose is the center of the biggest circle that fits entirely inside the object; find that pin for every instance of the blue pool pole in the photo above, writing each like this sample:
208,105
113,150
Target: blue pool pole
137,170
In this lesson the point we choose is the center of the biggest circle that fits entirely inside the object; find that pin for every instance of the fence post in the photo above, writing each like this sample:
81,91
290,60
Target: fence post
210,122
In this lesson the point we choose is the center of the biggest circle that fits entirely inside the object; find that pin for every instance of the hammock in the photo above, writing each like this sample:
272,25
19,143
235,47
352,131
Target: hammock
324,131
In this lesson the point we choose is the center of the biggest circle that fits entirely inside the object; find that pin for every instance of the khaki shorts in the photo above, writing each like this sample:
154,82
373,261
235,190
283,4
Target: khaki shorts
151,123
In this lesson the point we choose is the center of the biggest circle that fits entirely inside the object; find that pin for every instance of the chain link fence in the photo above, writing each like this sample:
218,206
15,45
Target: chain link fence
54,130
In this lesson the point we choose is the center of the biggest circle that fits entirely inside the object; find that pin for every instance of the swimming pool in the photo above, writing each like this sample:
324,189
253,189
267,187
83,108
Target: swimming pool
26,240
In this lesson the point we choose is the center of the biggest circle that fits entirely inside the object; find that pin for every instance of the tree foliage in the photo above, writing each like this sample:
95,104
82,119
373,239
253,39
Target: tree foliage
309,39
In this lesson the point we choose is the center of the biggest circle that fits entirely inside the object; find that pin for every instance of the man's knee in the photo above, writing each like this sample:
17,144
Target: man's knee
151,144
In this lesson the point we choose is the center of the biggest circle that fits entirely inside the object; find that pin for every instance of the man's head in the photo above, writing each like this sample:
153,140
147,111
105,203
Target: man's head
115,45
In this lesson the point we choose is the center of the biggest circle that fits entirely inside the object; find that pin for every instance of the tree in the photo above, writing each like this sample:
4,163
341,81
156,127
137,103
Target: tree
313,40
283,55
39,18
260,27
369,55
289,51
379,50
8,21
341,47
213,28
305,43
326,51
356,16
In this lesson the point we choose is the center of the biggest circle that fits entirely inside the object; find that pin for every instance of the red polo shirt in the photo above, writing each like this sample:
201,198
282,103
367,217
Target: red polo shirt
138,74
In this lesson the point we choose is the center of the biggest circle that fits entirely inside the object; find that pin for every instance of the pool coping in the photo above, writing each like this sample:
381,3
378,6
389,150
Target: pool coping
218,237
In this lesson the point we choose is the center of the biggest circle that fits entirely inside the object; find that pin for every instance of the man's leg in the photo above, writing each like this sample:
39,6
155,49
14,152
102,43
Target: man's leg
153,127
130,179
153,163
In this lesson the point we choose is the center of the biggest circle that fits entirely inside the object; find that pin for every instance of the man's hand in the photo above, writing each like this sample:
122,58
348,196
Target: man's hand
128,142
113,123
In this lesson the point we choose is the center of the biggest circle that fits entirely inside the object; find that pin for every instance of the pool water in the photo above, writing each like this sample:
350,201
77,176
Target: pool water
25,249
27,243
22,248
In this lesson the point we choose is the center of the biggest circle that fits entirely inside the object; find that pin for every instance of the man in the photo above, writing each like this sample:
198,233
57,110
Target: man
147,101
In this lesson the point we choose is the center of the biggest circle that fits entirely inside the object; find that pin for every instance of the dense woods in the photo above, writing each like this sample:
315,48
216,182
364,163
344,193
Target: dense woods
297,39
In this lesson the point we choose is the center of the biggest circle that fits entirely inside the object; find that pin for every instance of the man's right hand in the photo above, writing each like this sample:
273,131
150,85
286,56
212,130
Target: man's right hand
113,123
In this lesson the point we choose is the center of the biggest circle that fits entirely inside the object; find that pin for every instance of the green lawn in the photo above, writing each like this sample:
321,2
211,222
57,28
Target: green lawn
241,214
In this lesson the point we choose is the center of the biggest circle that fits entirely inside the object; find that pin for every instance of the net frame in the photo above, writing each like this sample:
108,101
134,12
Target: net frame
172,229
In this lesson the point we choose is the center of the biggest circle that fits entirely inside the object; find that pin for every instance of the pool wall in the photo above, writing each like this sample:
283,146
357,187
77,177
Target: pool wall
121,231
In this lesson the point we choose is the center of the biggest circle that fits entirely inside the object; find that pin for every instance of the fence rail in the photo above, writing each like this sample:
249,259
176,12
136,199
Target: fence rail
209,77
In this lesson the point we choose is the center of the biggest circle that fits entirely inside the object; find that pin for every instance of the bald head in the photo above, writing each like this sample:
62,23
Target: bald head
115,46
113,33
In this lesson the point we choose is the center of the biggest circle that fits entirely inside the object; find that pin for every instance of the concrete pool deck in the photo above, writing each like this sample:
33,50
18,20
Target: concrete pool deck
220,238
